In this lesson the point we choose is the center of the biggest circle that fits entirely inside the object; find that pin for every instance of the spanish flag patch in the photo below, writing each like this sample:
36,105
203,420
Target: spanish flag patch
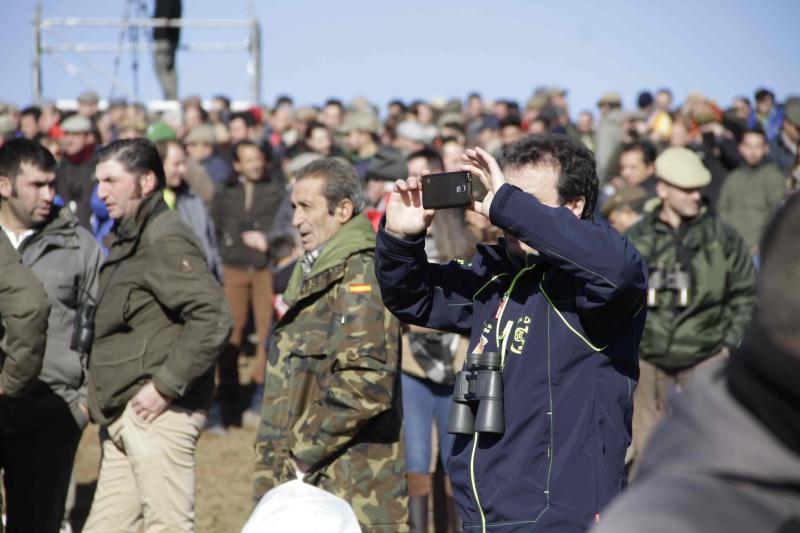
360,288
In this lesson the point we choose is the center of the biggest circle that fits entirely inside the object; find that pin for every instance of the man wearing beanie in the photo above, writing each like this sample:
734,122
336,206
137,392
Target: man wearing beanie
701,287
727,458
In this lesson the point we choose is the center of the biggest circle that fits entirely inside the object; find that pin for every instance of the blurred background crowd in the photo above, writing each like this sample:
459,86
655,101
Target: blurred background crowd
753,133
211,151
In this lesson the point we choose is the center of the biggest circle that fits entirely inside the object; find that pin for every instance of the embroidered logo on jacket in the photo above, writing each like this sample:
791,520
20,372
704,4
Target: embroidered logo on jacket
520,334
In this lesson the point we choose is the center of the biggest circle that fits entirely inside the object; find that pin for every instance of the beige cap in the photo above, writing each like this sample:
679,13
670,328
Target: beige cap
76,124
610,98
682,168
361,121
306,114
450,117
300,161
203,134
88,97
412,130
632,197
135,125
537,101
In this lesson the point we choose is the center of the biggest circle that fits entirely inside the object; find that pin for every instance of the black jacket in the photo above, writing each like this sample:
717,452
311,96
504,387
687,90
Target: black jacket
568,330
232,219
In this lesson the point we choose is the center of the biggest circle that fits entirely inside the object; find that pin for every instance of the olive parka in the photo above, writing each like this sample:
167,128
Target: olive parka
161,315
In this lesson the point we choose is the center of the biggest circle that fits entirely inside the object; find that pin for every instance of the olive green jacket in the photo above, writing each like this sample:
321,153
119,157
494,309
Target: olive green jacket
721,295
331,394
23,322
749,196
161,315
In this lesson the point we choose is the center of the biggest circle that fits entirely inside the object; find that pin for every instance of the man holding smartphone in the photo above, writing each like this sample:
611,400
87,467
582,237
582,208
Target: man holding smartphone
561,300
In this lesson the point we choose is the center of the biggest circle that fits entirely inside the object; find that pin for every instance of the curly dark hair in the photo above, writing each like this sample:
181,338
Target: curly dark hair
574,163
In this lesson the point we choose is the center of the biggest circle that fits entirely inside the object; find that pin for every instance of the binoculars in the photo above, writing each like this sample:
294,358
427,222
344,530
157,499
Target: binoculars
675,279
83,330
478,396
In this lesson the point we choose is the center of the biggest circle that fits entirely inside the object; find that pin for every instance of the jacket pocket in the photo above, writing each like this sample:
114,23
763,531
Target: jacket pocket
305,368
117,364
311,341
62,365
110,314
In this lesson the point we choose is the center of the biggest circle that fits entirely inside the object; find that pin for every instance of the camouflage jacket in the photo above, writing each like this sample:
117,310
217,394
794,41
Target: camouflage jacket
331,394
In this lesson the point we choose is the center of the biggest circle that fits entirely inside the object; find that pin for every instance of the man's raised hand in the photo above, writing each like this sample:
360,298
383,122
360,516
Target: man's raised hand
405,216
483,165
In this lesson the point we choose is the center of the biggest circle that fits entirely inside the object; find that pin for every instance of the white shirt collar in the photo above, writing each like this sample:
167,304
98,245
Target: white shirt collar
17,241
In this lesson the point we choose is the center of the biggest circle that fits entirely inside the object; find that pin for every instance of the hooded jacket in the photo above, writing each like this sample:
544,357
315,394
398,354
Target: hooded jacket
66,259
567,324
711,466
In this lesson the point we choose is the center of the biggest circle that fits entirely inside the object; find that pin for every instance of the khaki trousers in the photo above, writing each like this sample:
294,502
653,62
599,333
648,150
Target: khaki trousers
650,400
147,473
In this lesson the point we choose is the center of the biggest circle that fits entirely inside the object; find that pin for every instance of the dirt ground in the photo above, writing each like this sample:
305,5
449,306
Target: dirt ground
224,469
224,466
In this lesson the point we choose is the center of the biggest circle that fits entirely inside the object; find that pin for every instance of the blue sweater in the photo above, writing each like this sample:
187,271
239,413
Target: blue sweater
568,332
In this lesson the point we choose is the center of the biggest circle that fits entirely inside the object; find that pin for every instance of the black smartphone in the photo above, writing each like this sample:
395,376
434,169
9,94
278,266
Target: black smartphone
447,189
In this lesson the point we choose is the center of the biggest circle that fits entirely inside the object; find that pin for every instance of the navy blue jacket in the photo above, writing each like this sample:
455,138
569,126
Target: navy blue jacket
569,333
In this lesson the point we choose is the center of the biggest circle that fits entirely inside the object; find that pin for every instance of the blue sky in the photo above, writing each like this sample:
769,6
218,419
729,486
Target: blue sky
315,49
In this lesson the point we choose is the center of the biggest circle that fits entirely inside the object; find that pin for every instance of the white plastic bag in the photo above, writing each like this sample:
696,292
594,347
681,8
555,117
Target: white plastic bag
297,507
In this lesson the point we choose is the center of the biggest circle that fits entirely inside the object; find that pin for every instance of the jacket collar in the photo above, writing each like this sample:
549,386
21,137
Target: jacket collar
663,227
356,235
58,231
127,232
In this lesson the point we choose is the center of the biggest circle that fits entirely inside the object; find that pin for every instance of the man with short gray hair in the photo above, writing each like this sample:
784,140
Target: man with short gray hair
331,395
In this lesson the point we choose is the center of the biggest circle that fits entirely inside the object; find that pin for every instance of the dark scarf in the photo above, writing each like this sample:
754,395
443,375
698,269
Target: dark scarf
765,378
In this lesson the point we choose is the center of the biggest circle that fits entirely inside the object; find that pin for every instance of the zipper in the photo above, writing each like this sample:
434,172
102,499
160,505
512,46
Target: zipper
502,347
503,302
475,485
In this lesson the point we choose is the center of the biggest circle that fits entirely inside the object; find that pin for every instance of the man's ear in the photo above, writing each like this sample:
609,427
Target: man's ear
661,189
6,187
576,205
343,211
148,182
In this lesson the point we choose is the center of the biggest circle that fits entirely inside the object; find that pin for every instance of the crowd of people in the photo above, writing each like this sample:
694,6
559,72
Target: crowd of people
629,239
